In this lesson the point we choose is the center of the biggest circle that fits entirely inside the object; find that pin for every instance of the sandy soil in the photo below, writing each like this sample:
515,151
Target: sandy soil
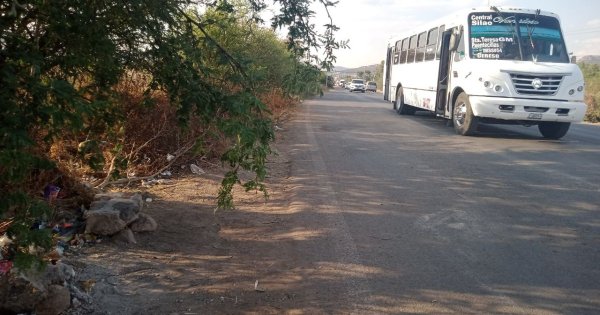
200,261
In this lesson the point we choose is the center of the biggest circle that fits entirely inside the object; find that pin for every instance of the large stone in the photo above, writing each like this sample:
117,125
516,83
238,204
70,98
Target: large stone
104,222
108,196
52,274
18,295
22,291
128,208
125,236
144,223
112,212
57,301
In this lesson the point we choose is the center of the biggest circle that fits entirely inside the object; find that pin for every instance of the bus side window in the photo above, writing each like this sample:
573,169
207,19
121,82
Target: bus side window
396,52
422,42
431,44
460,52
439,41
412,49
404,51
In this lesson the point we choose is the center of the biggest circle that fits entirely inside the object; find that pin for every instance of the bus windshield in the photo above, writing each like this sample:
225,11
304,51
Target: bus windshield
494,36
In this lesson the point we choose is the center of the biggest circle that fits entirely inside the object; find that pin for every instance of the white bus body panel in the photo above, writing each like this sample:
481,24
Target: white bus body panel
470,75
419,83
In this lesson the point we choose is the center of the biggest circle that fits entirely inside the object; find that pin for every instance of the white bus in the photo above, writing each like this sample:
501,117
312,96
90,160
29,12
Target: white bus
491,65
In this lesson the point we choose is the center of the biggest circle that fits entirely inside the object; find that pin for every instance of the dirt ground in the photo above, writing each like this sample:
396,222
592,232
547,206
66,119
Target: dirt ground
200,261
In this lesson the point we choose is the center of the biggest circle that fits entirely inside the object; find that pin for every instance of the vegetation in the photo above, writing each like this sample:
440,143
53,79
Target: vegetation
98,89
379,75
591,73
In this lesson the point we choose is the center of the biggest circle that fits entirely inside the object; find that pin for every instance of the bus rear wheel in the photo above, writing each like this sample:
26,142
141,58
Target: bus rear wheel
553,129
400,106
465,123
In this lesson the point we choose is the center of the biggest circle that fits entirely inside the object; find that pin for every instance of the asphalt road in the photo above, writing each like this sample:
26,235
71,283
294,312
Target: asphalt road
405,216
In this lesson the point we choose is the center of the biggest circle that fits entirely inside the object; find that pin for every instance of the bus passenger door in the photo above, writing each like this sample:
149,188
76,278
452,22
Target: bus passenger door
443,71
388,73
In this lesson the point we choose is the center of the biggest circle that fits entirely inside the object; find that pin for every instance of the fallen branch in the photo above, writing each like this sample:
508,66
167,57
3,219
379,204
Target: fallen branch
182,151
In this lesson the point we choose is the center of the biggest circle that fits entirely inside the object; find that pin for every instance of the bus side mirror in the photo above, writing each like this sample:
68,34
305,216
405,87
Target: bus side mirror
573,59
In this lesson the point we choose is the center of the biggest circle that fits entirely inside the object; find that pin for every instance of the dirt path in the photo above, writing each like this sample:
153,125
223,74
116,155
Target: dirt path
199,262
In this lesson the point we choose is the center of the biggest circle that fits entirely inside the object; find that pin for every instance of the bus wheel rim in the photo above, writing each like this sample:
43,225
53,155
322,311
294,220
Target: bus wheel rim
460,114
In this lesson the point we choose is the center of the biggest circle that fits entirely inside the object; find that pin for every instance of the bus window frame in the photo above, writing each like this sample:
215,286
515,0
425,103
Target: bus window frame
430,50
412,49
396,54
404,50
441,31
421,46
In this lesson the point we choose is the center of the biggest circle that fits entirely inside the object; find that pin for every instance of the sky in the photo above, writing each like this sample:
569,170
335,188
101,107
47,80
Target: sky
368,24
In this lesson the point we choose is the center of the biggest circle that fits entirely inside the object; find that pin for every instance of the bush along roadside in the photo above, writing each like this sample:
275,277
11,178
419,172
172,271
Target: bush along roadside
95,96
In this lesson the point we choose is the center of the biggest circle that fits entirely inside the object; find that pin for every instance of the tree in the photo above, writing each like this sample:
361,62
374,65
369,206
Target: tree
61,60
378,76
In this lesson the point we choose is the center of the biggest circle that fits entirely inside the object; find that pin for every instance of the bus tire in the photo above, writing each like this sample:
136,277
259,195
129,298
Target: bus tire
400,106
553,129
465,123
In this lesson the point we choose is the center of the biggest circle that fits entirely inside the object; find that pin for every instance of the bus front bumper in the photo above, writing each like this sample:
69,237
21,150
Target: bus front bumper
527,109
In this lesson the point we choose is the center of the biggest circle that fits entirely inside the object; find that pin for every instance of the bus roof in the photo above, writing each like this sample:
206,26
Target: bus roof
459,18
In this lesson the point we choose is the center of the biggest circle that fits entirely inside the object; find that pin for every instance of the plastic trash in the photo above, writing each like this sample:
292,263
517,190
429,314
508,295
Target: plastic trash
51,193
5,266
196,169
170,157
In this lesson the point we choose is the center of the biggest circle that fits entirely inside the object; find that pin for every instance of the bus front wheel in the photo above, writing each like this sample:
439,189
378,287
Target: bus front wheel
400,106
553,129
465,123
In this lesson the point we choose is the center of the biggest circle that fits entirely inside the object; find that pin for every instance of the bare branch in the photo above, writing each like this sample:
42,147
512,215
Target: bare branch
178,154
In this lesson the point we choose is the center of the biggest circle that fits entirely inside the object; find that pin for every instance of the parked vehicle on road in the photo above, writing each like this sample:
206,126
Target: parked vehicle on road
371,86
357,85
490,65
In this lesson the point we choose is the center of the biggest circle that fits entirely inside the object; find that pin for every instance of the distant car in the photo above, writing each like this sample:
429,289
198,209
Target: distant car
342,83
371,86
357,85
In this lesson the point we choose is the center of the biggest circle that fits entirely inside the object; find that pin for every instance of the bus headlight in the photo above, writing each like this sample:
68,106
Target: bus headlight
580,88
498,88
487,84
571,92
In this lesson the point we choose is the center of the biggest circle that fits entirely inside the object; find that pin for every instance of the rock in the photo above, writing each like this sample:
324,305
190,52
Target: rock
52,274
57,300
17,295
98,204
108,196
144,223
196,169
112,212
23,291
139,199
128,209
76,303
104,222
125,236
76,293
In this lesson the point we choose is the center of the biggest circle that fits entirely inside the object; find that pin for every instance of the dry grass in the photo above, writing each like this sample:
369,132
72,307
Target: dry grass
148,133
593,111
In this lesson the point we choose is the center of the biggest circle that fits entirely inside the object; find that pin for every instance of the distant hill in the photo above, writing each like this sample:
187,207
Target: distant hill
355,70
590,59
340,69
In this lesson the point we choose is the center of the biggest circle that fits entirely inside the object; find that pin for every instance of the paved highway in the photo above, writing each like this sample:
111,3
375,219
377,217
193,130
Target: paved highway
408,217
